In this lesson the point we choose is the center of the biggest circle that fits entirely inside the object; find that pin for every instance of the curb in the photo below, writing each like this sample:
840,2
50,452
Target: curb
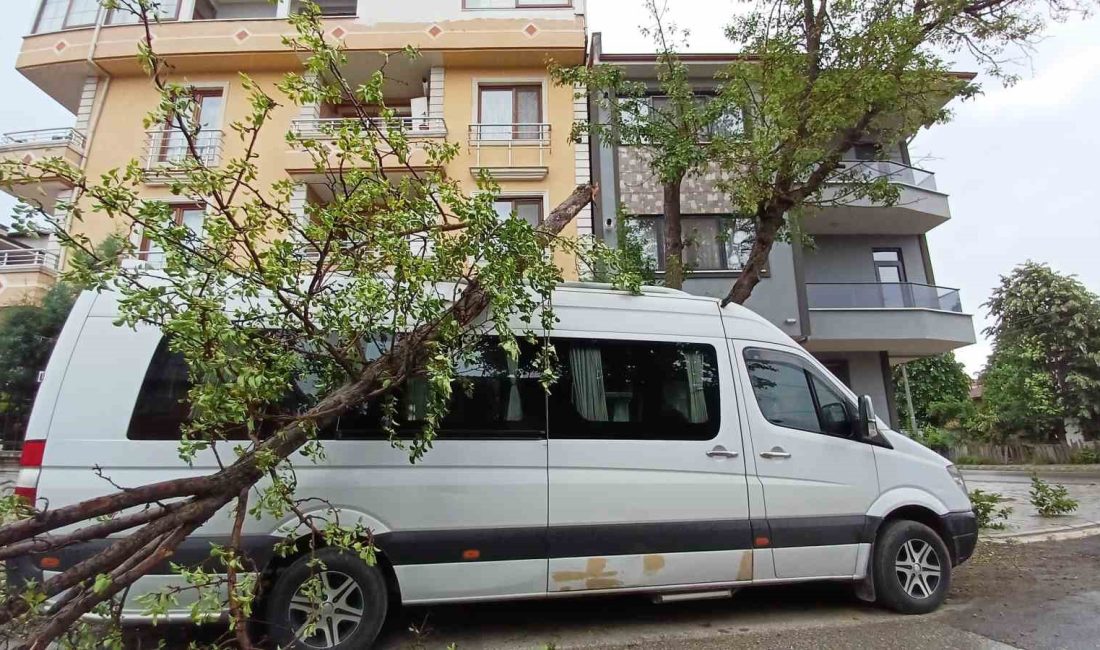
1027,469
1055,534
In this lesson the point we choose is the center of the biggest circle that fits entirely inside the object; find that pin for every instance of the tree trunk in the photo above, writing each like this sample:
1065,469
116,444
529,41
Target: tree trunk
768,221
674,236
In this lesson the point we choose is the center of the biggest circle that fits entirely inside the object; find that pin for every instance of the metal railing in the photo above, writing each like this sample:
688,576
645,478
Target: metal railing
329,127
513,137
882,295
43,138
167,147
893,171
24,258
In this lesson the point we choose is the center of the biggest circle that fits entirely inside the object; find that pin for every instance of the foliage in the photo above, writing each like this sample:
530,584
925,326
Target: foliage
1051,500
936,438
970,460
286,320
1046,361
681,131
940,389
988,509
1085,456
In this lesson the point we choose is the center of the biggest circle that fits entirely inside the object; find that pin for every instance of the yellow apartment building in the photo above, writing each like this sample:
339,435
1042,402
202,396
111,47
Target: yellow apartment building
481,82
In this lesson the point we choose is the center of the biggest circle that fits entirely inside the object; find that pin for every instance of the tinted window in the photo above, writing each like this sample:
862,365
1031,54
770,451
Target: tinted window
162,406
791,394
631,390
492,396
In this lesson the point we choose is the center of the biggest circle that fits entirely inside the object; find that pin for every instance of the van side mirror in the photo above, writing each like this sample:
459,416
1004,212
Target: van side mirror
867,425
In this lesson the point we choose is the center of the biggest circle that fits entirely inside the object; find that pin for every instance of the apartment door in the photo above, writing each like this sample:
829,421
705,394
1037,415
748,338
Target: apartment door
510,112
209,107
890,272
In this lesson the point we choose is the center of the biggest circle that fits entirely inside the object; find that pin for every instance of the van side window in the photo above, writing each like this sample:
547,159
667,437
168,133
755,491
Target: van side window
635,390
493,396
162,405
791,394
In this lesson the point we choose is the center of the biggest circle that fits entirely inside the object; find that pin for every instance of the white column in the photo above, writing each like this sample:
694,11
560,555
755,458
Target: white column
435,89
298,202
582,161
87,102
282,9
187,9
310,111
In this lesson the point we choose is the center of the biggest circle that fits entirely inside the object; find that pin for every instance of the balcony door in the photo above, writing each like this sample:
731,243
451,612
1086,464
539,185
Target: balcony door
209,106
890,272
510,112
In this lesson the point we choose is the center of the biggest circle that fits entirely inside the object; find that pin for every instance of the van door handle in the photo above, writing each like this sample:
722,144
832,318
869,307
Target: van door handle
722,452
776,452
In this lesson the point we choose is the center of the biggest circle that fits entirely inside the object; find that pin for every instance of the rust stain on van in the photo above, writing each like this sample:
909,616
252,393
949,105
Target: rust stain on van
652,564
594,576
744,572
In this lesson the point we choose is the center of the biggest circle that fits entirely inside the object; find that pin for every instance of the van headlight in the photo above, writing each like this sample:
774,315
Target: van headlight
957,476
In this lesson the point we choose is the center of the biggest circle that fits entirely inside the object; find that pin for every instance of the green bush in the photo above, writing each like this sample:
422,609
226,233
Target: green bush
1085,456
970,460
1051,500
987,508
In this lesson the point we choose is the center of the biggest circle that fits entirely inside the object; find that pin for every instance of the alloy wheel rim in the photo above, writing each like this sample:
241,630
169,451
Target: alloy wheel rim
331,619
918,568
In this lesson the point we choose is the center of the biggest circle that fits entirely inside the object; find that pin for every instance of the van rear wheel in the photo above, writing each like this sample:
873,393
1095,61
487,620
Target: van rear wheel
339,604
912,568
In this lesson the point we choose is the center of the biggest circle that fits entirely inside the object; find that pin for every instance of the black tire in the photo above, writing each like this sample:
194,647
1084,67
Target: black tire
341,575
919,589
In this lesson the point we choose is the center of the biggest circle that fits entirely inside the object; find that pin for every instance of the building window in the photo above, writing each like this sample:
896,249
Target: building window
167,10
331,8
635,390
890,273
516,4
711,242
172,146
55,15
527,208
189,215
791,394
510,112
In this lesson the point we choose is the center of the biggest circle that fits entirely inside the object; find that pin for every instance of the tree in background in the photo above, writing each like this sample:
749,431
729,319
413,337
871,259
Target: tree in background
814,80
1045,367
1018,396
939,387
681,130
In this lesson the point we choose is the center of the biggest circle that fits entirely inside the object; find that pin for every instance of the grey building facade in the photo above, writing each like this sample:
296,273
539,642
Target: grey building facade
862,298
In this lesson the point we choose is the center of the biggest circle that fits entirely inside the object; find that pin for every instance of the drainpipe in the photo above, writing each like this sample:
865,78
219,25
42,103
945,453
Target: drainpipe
909,400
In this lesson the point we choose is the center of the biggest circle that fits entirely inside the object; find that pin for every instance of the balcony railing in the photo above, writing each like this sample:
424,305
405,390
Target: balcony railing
327,128
27,258
165,148
42,138
513,138
882,295
894,172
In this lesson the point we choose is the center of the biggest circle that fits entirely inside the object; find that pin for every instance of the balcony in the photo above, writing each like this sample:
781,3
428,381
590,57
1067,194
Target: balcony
301,163
516,152
905,319
167,154
29,146
26,274
920,206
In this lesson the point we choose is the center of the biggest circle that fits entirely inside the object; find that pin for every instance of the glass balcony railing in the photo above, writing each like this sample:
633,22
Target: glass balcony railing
882,295
895,172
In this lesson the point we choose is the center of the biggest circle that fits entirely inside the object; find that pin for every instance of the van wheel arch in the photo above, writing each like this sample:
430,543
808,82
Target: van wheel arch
918,514
303,546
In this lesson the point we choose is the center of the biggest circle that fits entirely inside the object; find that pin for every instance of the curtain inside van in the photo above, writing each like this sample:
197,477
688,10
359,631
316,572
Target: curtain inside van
697,399
589,394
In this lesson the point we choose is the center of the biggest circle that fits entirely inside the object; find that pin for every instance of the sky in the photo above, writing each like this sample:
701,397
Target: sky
1015,161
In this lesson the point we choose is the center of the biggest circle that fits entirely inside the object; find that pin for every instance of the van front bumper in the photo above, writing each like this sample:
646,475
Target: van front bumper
961,535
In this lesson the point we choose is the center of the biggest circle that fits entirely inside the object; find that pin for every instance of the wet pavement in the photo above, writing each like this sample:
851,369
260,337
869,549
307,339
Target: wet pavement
1083,484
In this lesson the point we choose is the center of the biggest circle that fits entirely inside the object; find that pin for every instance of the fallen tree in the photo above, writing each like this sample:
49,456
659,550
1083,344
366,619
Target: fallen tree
395,278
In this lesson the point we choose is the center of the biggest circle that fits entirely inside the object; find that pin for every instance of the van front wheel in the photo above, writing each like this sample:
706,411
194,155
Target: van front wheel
338,603
912,567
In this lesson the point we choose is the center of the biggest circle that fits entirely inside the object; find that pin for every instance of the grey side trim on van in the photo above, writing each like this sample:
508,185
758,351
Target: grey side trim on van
503,544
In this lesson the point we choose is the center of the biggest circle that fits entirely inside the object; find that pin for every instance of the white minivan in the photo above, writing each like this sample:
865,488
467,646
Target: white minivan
687,450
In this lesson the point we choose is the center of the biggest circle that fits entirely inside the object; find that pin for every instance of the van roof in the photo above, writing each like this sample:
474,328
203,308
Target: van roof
738,321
